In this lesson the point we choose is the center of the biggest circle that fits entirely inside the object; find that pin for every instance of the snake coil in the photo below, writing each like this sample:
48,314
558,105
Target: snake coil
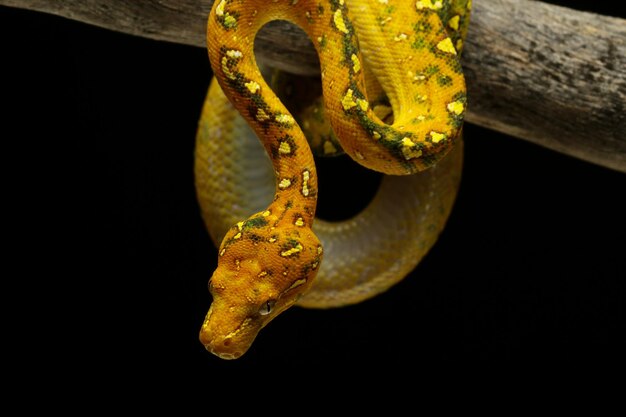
394,94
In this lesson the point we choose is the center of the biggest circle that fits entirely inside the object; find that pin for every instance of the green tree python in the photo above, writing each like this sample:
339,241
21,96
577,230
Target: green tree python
393,97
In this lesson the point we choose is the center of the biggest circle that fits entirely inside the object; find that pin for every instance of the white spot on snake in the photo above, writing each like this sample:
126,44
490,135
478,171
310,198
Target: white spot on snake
339,23
456,107
400,37
305,183
356,64
284,183
410,149
437,137
219,10
292,251
284,148
454,22
347,101
428,4
285,119
253,86
233,53
446,46
419,78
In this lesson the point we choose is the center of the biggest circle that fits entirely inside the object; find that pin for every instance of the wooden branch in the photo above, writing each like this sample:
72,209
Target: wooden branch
543,73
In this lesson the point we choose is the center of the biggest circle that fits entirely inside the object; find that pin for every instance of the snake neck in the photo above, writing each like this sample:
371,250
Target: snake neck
230,45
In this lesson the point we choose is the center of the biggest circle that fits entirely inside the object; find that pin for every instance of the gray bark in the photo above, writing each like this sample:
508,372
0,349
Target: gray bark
550,75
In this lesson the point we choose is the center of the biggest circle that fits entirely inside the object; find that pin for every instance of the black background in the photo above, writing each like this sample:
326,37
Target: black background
530,268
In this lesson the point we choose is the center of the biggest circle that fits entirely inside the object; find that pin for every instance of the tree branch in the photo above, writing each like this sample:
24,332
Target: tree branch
543,73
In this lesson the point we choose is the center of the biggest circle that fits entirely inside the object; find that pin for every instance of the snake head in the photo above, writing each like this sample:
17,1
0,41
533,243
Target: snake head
261,272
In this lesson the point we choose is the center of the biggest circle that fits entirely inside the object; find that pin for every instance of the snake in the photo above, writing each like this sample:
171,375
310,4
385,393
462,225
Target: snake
391,96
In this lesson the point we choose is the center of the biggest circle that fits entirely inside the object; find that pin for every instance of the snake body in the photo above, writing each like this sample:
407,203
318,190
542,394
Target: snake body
375,55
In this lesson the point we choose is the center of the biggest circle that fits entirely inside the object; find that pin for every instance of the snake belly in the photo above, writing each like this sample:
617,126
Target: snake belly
255,170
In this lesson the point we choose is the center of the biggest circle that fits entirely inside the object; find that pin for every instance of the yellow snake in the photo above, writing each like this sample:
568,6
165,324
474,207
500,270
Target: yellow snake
394,94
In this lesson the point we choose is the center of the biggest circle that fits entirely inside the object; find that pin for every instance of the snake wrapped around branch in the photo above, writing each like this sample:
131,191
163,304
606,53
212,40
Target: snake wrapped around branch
391,96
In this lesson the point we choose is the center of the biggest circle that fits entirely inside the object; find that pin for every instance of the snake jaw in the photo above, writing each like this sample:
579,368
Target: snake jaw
230,327
229,332
226,333
232,322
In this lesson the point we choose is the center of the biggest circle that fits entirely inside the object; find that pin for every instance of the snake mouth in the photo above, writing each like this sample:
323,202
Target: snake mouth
209,346
224,340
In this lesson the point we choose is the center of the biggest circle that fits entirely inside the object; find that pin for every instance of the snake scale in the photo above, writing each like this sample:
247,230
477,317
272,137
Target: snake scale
393,97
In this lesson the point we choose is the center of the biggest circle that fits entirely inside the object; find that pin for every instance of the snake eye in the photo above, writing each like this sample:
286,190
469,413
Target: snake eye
266,307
